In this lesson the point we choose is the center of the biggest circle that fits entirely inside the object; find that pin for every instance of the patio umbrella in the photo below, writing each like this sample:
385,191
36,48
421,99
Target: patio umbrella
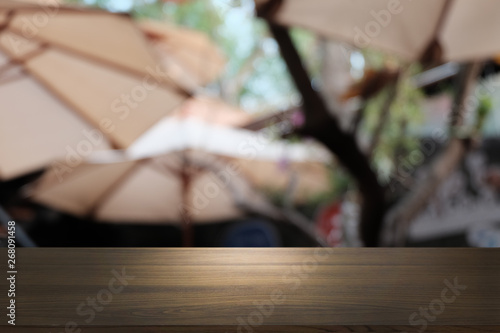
171,188
148,190
267,163
196,178
189,55
73,81
448,30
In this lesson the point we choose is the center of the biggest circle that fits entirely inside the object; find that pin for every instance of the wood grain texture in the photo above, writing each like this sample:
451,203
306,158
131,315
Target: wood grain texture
259,329
312,290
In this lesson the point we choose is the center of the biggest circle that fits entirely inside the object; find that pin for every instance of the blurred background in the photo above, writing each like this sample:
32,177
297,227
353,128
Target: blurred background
235,123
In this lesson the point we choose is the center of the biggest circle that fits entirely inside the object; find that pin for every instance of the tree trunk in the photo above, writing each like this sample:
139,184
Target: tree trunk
321,125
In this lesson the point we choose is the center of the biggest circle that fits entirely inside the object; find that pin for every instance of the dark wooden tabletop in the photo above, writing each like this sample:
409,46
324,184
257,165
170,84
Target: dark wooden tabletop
254,290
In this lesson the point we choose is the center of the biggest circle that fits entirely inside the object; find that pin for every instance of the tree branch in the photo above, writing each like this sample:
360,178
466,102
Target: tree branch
384,116
322,126
400,217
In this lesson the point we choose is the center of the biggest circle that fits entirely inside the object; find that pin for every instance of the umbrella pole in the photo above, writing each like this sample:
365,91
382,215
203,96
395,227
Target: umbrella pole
21,237
187,225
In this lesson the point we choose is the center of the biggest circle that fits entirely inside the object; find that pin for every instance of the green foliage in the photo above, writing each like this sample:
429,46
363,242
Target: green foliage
483,110
373,58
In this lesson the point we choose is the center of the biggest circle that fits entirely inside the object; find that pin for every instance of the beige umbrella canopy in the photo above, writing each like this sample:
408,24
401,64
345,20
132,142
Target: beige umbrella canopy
189,55
267,163
144,183
182,187
73,81
456,30
148,190
186,171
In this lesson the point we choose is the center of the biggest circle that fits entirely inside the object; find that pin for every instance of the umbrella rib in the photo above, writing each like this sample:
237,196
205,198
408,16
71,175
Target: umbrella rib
442,17
111,190
71,106
11,79
165,169
4,26
6,65
80,113
441,20
269,120
156,57
10,15
28,56
170,84
13,62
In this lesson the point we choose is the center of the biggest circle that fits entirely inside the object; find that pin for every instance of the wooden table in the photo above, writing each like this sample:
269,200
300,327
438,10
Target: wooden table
254,290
